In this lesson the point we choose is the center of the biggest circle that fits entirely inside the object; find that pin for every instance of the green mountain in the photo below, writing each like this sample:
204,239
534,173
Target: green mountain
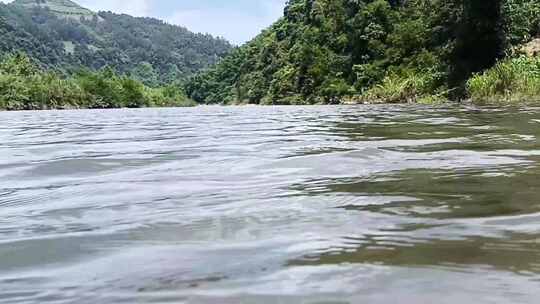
328,51
62,8
63,36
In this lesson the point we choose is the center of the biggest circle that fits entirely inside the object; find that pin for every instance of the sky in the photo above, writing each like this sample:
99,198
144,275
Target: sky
236,20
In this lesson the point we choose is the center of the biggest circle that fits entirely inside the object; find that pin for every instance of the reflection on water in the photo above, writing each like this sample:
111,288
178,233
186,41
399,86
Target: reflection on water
353,204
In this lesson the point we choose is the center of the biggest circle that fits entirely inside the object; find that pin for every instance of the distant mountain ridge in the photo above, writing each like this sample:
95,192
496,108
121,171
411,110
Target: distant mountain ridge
65,8
64,36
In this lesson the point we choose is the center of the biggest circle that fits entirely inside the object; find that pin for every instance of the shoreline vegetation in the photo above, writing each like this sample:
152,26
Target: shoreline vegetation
512,80
321,52
24,86
381,51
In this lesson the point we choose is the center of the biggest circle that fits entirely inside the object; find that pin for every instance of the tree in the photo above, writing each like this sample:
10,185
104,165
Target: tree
145,73
480,40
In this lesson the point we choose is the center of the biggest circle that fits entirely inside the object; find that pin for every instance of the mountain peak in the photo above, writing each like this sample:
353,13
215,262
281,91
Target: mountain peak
65,8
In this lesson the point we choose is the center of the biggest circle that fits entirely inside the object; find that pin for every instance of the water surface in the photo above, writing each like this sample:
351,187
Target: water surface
322,205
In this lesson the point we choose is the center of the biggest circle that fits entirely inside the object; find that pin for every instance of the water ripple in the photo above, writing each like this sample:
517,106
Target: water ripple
270,204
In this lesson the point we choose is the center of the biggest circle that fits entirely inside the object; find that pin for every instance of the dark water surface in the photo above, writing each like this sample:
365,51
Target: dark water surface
322,205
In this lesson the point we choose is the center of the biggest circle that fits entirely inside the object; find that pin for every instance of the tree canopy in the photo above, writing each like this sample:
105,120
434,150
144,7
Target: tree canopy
323,51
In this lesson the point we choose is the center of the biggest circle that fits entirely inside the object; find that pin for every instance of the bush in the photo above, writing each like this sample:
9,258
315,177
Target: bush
14,94
49,91
410,87
516,79
104,88
169,96
23,86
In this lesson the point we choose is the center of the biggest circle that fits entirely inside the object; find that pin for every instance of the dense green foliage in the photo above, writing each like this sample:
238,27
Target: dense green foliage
62,36
321,51
511,80
326,51
24,86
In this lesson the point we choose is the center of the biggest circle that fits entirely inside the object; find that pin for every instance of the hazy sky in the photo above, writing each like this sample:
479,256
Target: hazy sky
236,20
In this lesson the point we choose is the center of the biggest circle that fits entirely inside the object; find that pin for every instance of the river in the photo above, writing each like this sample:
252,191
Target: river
319,205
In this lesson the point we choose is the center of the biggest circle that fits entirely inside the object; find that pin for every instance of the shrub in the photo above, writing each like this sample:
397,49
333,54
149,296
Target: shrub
509,80
396,88
23,86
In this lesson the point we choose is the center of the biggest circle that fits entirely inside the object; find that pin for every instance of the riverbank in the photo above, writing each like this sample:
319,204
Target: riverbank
512,80
25,86
509,81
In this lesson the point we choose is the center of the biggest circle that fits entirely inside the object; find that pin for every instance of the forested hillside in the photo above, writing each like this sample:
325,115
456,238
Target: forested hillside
63,36
326,51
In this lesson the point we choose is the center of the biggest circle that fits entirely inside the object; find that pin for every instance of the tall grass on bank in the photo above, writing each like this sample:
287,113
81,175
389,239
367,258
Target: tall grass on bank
407,88
511,80
24,86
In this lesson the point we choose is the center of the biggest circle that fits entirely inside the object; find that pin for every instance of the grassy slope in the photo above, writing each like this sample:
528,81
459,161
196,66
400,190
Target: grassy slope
63,8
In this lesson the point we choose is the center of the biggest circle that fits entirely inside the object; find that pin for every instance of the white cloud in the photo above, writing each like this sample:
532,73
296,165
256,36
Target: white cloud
235,25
